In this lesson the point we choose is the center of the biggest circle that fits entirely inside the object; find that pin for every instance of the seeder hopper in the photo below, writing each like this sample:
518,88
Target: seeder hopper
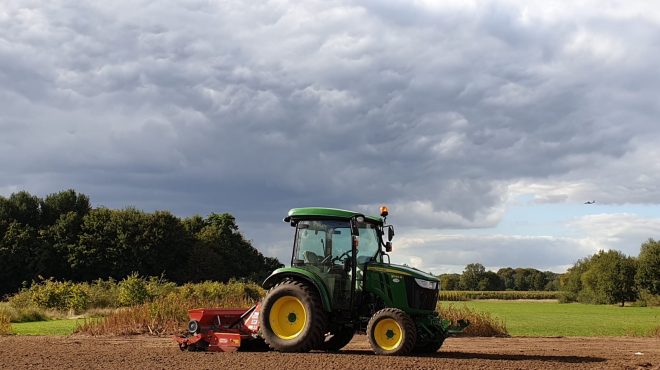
221,329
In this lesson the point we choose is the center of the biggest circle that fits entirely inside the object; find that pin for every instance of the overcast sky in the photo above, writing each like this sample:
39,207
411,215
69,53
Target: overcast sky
484,125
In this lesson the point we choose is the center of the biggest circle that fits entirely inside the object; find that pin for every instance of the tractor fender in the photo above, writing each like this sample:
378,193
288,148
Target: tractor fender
300,275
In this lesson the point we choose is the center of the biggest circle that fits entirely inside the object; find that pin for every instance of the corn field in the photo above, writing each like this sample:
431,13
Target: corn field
459,295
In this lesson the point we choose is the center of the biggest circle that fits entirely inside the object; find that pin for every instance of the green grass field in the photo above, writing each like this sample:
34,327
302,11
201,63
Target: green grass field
555,319
521,318
52,327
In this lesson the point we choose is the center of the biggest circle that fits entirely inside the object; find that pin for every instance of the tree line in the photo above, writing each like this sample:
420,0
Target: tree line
606,277
64,237
476,278
612,277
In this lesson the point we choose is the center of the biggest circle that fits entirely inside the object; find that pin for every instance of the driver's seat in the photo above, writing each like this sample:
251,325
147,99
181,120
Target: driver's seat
311,257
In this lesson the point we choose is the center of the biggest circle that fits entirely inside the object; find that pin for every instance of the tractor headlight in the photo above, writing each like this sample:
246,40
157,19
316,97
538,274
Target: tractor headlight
427,284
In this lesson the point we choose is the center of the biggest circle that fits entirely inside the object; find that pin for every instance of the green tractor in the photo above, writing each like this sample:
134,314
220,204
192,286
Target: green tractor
341,282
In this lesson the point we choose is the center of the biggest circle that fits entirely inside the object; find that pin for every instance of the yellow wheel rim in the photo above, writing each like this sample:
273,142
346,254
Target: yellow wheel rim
287,317
388,334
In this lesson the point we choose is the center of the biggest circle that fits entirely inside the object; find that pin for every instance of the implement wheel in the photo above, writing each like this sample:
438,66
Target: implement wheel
336,340
292,317
391,332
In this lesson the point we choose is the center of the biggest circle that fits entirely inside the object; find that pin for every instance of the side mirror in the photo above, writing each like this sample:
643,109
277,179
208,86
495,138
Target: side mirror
390,232
388,247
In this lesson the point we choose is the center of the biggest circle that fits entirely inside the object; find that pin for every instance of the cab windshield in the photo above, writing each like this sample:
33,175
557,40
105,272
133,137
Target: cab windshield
329,242
368,243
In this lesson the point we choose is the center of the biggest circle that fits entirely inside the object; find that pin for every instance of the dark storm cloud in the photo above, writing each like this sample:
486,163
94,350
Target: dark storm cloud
204,106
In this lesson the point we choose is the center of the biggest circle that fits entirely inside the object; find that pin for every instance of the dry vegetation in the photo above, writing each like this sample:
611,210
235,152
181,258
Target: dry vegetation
482,324
169,314
655,332
138,305
5,324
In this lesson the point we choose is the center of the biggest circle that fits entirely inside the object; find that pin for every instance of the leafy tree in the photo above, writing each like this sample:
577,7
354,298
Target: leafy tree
61,236
648,267
58,204
59,239
194,224
96,251
22,208
610,278
571,282
18,244
471,276
490,281
522,279
450,281
507,275
537,280
220,252
270,264
552,281
165,243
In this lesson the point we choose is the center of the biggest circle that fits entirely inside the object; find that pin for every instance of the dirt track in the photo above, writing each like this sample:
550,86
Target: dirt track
466,353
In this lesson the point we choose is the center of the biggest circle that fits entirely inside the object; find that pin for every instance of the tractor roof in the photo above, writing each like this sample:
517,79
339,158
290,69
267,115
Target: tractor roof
320,212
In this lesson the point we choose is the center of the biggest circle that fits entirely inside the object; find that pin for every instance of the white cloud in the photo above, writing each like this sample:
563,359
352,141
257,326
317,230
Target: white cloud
623,231
440,252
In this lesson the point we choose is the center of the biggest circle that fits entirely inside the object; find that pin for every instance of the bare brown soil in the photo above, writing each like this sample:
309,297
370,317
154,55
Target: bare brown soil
78,352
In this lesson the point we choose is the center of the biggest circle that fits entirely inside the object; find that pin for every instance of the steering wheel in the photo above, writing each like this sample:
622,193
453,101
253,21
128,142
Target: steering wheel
345,254
326,259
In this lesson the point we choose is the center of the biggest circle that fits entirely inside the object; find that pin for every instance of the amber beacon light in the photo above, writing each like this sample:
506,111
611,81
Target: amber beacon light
384,211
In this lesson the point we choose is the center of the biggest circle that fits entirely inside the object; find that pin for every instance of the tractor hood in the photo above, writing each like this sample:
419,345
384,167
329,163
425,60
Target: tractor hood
402,270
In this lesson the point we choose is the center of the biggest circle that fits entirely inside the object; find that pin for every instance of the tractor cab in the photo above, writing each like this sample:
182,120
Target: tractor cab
336,250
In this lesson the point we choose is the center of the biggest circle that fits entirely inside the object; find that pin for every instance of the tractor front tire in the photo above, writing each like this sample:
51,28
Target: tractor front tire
391,332
292,317
337,339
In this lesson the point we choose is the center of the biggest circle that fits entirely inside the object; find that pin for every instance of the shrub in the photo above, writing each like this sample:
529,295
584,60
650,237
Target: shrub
103,293
21,299
23,314
133,291
159,286
212,291
647,299
58,295
567,297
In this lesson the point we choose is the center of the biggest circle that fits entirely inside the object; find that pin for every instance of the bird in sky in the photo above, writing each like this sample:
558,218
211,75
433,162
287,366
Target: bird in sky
590,202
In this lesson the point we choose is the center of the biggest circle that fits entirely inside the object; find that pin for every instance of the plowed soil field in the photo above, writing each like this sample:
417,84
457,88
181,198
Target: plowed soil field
77,352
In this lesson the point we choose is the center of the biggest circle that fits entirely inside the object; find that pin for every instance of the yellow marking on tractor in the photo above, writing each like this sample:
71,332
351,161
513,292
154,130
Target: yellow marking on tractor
385,269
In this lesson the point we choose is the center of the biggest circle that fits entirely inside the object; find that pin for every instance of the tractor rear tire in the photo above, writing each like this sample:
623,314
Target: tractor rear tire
292,317
338,339
391,332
